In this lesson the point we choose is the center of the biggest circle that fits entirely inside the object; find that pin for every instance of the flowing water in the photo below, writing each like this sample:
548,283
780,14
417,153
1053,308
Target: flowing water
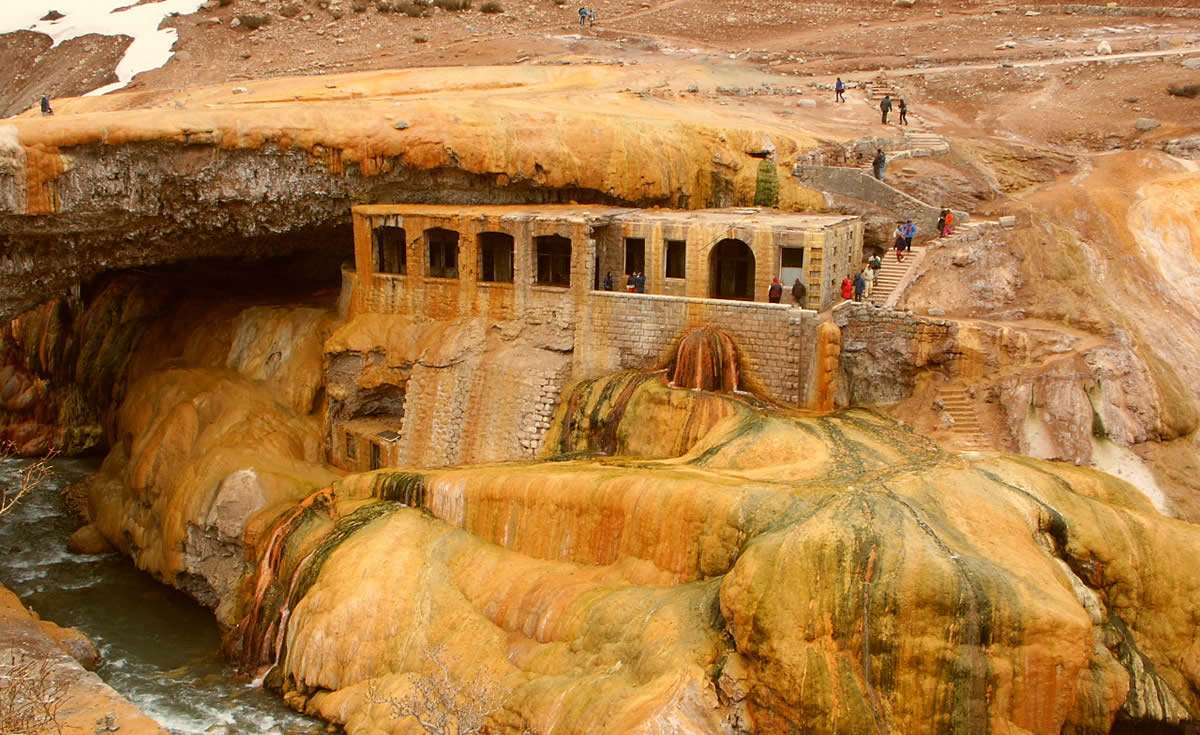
160,648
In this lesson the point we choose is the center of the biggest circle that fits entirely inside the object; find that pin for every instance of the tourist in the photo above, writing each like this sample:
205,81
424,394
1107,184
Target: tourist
910,231
608,281
941,225
899,245
948,229
879,163
903,112
885,106
839,89
46,108
631,282
800,293
847,289
583,17
868,276
875,262
860,286
775,292
639,282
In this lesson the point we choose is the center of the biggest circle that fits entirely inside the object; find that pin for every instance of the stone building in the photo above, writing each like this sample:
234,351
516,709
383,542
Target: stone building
542,269
456,260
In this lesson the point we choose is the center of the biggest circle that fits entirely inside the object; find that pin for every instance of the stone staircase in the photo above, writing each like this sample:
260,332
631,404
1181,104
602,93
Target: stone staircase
967,432
894,276
880,86
922,143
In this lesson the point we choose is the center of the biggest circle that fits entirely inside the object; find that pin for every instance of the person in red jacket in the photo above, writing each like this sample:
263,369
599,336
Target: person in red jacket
776,291
847,288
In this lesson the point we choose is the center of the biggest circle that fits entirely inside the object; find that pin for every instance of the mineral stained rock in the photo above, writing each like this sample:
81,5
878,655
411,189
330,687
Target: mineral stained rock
724,566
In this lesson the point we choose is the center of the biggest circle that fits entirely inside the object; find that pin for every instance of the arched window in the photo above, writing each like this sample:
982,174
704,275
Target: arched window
731,271
390,250
443,253
495,257
553,260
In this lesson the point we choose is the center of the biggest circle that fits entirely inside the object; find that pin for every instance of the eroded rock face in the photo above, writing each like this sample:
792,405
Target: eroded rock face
154,179
728,569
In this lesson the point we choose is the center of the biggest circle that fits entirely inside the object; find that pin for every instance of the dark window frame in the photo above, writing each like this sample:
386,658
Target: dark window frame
678,249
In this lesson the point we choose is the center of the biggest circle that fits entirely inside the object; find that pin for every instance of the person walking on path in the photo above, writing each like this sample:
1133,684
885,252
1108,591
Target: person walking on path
587,17
875,262
775,292
800,294
860,286
46,108
879,163
608,281
839,89
948,227
899,244
847,289
885,106
941,225
910,231
868,276
903,112
639,282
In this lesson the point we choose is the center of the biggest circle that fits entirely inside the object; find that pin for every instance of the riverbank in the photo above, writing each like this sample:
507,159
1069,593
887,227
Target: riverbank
84,703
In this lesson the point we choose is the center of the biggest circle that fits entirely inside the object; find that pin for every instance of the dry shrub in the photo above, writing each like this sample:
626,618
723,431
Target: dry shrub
441,705
30,698
453,6
491,7
29,479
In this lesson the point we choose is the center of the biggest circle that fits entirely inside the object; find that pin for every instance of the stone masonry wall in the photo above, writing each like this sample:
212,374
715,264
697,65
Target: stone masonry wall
858,184
622,331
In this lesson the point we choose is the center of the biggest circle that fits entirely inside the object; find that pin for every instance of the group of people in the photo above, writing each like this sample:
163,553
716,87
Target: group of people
799,292
885,104
860,287
903,238
587,17
885,108
635,282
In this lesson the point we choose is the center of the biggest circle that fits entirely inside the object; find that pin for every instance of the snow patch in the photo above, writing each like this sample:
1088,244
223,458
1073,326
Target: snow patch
151,47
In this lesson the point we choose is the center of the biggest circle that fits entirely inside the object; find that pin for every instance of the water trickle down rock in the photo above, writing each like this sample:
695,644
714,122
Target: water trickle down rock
707,359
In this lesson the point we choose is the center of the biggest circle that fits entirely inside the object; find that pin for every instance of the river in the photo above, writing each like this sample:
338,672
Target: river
159,647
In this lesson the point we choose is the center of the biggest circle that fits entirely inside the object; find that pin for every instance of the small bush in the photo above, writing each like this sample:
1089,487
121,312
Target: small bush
492,7
560,2
360,6
453,6
420,39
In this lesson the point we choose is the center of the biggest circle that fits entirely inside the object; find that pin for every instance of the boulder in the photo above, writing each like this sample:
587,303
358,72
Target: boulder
1146,123
1104,48
1191,91
252,21
73,643
88,540
1192,63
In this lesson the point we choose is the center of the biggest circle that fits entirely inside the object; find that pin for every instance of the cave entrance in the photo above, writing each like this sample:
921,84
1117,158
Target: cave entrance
495,257
443,253
731,271
553,260
390,250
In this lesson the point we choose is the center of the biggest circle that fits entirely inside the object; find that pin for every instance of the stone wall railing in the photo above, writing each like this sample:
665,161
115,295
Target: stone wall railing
862,186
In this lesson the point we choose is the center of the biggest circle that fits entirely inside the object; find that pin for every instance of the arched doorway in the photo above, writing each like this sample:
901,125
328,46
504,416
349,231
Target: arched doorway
731,271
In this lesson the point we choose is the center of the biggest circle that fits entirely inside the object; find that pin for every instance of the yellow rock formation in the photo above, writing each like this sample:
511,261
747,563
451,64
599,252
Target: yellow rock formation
557,127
